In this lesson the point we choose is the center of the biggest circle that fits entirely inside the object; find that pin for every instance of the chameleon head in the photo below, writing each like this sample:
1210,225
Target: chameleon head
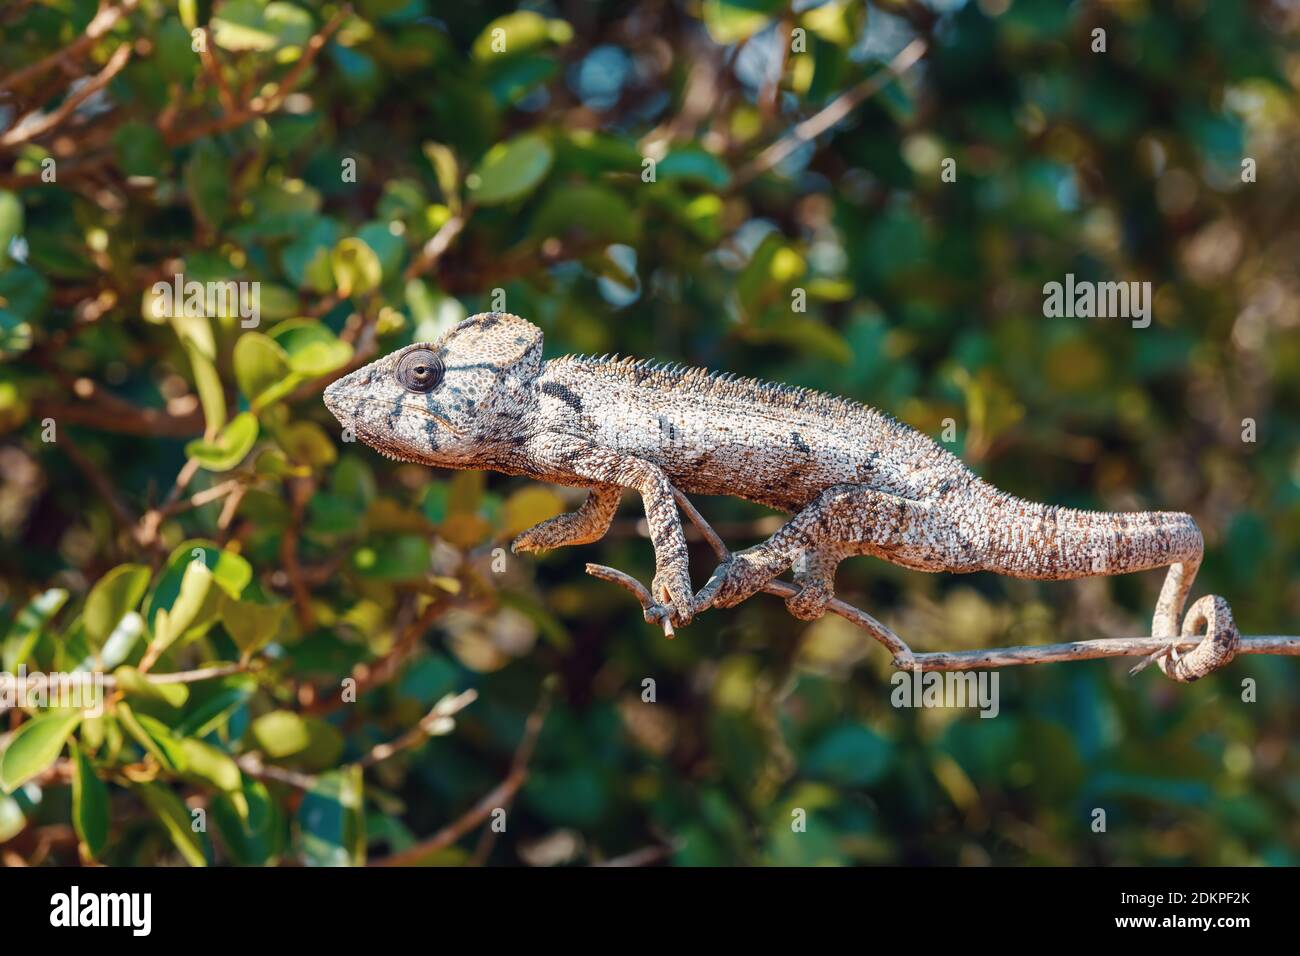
446,403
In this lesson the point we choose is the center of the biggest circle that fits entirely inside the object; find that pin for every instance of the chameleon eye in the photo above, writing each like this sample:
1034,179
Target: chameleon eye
419,371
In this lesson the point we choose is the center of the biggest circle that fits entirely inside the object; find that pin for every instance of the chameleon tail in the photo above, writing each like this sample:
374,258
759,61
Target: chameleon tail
1041,541
1028,539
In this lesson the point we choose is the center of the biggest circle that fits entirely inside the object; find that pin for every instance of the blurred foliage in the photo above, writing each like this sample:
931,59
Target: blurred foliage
175,496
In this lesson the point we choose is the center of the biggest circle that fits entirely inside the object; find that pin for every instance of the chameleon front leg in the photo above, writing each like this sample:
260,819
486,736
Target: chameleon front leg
570,456
589,523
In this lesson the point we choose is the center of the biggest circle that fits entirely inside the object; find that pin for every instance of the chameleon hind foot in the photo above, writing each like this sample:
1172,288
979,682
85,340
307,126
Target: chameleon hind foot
815,575
741,575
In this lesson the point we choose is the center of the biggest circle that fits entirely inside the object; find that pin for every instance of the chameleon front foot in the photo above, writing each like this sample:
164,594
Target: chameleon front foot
671,590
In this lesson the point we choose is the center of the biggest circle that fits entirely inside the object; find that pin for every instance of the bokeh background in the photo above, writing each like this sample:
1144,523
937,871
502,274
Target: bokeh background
386,169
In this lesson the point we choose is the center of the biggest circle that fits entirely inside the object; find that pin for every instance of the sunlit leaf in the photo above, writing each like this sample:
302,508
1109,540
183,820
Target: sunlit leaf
35,746
511,170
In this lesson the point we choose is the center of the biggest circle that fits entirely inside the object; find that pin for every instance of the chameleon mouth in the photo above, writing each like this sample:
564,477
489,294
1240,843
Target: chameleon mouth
381,441
442,421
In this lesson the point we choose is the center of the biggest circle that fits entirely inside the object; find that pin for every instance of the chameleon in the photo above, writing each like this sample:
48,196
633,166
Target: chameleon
854,480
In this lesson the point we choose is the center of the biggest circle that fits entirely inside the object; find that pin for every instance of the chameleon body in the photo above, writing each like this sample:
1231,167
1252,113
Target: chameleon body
855,480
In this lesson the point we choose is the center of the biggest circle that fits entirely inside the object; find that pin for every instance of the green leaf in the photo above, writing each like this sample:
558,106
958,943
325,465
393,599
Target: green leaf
590,213
207,182
155,737
11,222
195,333
731,20
230,572
12,819
27,627
331,820
141,150
307,442
134,684
402,557
306,259
281,733
210,765
113,596
510,79
172,622
230,447
262,370
445,170
212,705
35,746
176,820
89,804
519,32
250,824
355,266
311,348
309,741
248,25
511,170
694,165
252,626
273,463
24,291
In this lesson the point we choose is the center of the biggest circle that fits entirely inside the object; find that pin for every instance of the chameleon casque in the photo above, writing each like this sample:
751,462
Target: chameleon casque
855,480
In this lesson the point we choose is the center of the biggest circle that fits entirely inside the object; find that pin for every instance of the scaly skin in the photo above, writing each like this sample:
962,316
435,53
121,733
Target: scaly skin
855,480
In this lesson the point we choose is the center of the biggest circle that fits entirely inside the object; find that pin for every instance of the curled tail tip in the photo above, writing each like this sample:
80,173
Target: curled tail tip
1218,646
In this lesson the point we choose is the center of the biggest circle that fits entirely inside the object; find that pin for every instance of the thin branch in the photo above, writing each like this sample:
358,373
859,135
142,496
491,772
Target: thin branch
431,724
832,113
1091,650
98,480
438,245
649,606
437,721
369,675
501,793
10,684
646,856
498,797
101,24
212,65
150,522
253,765
519,762
25,131
262,106
104,411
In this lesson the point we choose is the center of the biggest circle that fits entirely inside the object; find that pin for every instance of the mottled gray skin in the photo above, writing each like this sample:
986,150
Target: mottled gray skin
855,480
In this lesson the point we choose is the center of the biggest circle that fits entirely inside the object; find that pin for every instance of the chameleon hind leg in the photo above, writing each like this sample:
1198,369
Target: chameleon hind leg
589,523
814,572
843,520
